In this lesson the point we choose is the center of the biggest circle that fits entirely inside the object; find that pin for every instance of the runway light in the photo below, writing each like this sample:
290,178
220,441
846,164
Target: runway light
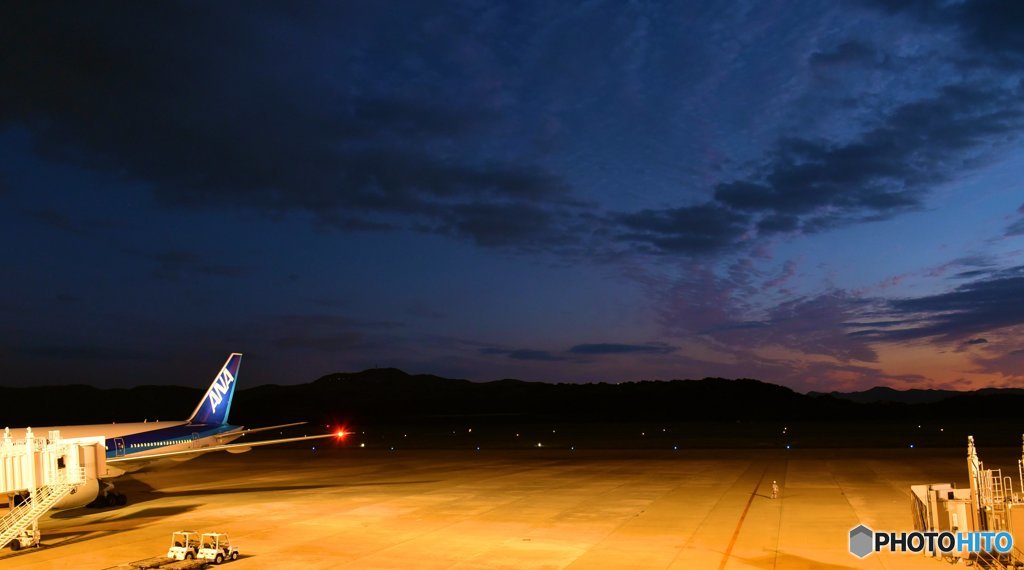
362,445
341,434
675,448
911,446
787,446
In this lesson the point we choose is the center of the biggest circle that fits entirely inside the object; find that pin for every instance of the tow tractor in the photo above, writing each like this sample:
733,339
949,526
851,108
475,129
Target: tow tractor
184,545
217,547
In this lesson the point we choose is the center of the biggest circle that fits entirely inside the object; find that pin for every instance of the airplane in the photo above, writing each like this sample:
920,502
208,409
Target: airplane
134,446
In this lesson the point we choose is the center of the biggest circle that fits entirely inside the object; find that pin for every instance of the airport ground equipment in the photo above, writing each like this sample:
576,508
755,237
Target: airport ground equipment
36,473
163,563
184,545
989,504
216,546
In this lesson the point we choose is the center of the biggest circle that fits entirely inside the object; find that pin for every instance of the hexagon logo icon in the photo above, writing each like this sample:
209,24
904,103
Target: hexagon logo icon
861,539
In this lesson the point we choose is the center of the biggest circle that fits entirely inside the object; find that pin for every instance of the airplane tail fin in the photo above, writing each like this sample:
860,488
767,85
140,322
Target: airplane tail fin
216,403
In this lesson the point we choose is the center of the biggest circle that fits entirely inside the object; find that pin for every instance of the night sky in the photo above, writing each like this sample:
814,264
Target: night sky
825,195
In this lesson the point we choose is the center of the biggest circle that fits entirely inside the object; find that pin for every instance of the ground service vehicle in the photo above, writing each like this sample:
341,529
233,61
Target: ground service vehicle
217,547
184,545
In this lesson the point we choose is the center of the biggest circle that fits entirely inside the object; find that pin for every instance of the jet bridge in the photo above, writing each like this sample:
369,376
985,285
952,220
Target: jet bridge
36,473
989,504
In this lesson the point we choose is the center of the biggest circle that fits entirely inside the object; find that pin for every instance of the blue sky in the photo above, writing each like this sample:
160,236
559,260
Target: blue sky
822,196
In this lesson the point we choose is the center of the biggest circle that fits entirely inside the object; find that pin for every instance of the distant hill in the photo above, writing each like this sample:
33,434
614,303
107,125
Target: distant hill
391,396
882,394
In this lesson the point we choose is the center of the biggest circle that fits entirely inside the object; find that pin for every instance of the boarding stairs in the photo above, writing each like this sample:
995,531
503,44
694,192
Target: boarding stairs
25,515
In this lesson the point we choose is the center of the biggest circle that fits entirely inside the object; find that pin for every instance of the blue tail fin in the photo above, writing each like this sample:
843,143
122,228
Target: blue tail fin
216,403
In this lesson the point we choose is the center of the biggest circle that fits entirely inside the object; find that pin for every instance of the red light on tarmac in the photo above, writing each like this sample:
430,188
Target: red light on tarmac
341,434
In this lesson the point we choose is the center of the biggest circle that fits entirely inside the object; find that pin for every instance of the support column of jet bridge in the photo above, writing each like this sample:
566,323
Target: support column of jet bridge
38,474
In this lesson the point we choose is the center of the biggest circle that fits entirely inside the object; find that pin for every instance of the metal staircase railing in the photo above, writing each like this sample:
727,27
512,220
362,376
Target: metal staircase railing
998,499
20,518
990,560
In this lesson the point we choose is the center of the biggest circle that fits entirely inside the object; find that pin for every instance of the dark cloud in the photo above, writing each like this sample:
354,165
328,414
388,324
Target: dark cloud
888,168
846,53
992,27
504,224
989,304
989,30
175,264
614,348
816,185
531,355
521,354
691,229
979,264
81,352
316,321
1016,228
777,224
976,341
581,350
322,343
217,120
326,333
61,221
971,274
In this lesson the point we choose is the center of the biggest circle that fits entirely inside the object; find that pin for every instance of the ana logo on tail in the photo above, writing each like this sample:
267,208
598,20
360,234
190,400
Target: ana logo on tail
219,388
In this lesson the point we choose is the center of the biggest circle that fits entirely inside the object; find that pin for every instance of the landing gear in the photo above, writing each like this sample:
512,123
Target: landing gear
111,499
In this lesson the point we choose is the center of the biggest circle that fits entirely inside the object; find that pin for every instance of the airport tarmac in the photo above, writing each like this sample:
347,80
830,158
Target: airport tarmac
543,508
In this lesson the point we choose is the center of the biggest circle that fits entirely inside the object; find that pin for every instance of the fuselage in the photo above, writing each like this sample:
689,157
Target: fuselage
148,438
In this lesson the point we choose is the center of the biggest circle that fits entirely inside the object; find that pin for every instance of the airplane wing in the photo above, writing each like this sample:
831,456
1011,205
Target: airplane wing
235,447
235,434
